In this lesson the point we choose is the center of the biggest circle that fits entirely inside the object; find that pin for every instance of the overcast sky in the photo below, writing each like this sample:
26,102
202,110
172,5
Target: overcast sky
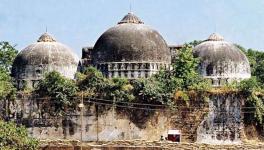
79,23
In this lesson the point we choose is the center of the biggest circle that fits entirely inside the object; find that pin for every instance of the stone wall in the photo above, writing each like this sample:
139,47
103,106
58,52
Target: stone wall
104,123
224,122
219,120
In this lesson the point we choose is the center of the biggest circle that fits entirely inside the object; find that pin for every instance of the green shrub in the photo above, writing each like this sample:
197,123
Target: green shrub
13,137
59,90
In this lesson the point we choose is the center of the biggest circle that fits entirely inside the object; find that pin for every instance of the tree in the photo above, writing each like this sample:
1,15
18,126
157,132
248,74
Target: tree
169,82
253,93
256,59
121,90
252,88
160,88
59,89
7,55
92,82
185,68
195,43
13,137
149,91
7,89
259,71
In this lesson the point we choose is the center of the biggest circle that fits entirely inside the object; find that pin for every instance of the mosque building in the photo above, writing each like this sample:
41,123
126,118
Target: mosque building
130,50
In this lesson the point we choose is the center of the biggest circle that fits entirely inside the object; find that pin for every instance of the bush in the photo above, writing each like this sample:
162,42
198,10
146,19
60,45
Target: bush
92,82
149,91
15,137
251,89
121,90
59,89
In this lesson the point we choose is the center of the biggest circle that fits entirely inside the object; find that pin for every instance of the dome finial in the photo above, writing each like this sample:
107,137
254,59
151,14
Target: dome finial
215,37
131,18
46,38
130,6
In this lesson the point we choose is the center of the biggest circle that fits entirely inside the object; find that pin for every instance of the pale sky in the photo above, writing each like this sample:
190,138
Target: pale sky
79,23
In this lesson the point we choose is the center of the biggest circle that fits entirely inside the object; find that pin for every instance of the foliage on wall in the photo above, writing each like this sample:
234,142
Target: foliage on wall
59,90
253,88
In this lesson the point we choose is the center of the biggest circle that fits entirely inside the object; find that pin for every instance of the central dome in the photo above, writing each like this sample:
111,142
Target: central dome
130,49
131,40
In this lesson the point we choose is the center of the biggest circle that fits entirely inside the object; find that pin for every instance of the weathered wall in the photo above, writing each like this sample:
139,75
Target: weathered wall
199,122
105,124
223,124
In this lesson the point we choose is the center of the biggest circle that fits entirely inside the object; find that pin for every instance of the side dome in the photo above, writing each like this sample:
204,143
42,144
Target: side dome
43,56
130,41
221,61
